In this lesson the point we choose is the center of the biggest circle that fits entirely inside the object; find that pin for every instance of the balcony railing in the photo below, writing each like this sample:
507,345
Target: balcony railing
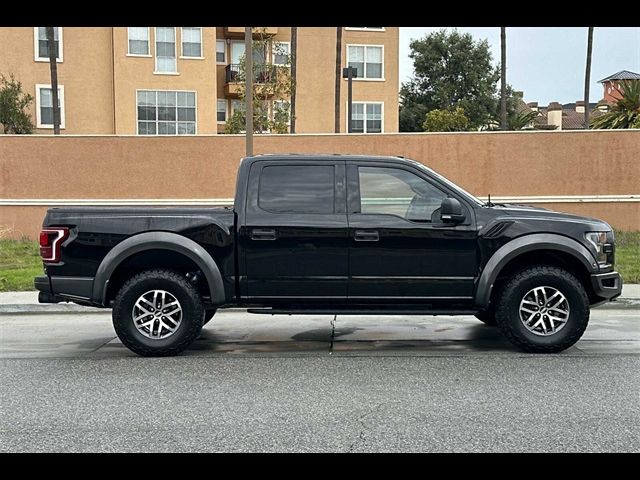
262,73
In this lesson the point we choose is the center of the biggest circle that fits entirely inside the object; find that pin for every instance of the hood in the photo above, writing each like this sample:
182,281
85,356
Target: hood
524,211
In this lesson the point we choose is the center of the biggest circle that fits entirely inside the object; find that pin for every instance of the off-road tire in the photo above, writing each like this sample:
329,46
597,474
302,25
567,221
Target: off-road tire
176,284
507,311
208,315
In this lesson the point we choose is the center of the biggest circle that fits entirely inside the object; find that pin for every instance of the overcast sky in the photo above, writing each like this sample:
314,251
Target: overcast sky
548,63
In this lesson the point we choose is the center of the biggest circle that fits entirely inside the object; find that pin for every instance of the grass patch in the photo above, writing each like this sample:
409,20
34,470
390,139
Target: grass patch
628,256
20,261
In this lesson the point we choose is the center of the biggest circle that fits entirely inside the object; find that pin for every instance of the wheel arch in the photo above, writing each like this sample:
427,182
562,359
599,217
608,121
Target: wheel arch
158,241
527,245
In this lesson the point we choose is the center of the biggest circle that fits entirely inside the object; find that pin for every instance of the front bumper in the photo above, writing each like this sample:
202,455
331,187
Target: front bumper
607,285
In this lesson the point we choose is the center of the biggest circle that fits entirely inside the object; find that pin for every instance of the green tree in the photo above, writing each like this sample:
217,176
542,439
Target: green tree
450,70
453,120
272,86
14,117
625,113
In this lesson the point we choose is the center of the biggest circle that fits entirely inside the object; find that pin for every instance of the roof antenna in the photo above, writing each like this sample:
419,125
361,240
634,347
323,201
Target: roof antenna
489,204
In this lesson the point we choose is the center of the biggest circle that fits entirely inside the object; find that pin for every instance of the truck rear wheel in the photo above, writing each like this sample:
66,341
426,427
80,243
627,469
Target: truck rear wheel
158,313
543,309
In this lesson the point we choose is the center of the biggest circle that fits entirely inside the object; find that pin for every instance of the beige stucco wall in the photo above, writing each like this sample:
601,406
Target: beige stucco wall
137,73
503,164
85,73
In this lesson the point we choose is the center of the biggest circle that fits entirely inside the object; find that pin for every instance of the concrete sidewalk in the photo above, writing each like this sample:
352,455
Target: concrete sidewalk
27,302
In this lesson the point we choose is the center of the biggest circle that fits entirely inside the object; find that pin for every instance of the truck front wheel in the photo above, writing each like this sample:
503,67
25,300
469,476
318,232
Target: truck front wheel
158,313
543,309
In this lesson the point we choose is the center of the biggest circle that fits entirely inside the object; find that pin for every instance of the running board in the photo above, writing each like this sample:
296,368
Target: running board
319,311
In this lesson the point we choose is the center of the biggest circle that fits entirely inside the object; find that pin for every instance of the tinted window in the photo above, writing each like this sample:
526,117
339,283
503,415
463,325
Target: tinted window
297,189
398,192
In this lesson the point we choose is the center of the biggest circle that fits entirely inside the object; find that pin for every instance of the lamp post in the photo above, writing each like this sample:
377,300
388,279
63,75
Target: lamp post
350,73
248,75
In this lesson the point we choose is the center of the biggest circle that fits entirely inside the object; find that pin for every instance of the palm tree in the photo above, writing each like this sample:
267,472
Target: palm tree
503,78
294,73
338,77
53,67
587,77
625,113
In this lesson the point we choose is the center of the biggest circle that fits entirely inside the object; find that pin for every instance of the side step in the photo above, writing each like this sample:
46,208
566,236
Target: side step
321,311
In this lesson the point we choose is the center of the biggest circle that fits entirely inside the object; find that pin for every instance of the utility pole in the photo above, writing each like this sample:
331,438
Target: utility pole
587,77
53,66
294,77
349,73
248,78
503,78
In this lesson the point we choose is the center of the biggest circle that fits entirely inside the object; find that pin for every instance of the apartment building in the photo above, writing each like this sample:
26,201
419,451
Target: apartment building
181,81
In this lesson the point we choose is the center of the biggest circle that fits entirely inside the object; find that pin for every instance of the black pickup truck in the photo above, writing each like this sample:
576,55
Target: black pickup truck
332,234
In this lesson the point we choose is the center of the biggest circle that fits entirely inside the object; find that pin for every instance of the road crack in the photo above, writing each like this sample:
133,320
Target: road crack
361,441
333,333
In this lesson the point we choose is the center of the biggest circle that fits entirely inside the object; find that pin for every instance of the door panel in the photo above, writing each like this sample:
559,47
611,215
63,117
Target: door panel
295,235
413,257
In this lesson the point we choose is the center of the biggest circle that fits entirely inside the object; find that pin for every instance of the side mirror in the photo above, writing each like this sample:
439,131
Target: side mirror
451,211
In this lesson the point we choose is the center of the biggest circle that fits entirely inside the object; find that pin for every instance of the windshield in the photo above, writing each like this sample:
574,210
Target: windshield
452,185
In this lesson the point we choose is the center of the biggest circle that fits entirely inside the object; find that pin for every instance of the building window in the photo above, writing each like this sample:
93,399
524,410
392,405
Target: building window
166,50
222,111
281,52
166,112
378,29
44,106
41,44
367,117
367,59
138,41
281,112
221,57
192,42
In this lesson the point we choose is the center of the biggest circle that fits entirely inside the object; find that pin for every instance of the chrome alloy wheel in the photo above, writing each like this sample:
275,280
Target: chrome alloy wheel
157,314
544,311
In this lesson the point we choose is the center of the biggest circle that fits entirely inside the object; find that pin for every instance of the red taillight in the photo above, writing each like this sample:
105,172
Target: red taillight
50,241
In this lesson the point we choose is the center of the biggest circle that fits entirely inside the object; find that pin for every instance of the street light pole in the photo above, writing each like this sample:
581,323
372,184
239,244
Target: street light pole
248,81
349,73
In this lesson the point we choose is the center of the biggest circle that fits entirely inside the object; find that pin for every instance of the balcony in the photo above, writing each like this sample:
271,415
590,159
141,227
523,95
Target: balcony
262,74
239,31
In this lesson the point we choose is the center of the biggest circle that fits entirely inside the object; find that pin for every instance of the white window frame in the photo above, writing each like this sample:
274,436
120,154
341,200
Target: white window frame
365,102
129,54
359,79
273,53
135,102
36,50
175,54
39,124
182,55
365,29
224,51
226,111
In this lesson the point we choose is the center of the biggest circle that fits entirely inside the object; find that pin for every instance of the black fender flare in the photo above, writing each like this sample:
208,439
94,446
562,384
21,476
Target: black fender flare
528,243
164,241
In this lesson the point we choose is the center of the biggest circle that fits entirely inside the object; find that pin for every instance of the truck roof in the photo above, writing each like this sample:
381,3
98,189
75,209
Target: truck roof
325,156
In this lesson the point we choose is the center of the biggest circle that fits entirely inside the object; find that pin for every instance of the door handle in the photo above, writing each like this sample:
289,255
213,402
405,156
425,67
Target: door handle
366,236
263,234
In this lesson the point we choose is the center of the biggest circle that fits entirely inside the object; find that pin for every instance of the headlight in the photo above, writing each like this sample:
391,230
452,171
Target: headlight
598,240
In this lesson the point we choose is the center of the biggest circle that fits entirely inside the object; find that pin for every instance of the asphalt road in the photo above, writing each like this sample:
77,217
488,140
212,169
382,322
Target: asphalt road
307,383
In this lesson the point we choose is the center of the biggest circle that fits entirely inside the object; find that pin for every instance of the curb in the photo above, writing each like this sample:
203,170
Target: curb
57,309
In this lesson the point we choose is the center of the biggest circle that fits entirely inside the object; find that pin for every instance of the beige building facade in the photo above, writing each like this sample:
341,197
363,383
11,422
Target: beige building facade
180,80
